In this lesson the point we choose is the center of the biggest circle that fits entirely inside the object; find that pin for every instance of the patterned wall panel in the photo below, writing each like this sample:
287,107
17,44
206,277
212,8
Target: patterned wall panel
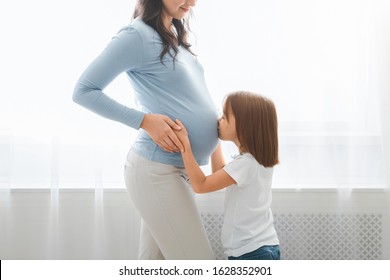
323,236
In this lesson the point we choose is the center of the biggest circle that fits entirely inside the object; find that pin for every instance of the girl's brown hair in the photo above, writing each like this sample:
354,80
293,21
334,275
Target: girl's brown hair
256,125
150,11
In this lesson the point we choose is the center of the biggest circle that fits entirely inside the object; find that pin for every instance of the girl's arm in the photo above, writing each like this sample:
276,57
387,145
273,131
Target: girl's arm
201,183
217,159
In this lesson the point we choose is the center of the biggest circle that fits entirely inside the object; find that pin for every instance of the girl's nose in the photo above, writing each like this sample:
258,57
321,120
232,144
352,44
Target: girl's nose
219,121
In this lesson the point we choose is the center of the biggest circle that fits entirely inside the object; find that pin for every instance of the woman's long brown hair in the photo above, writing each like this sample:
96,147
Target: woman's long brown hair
150,11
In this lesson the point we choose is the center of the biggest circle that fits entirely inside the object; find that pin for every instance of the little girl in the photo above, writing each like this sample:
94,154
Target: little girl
249,120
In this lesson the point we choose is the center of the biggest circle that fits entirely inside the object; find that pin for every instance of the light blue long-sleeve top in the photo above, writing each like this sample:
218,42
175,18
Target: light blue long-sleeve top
176,89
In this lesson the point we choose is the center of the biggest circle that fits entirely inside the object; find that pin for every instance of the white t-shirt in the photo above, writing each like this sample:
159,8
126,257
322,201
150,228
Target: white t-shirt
248,220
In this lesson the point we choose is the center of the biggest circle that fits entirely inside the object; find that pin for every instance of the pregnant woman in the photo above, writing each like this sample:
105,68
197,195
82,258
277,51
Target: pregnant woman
168,83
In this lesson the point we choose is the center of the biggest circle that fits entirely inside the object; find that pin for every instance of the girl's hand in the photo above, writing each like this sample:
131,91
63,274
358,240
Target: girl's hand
182,134
160,129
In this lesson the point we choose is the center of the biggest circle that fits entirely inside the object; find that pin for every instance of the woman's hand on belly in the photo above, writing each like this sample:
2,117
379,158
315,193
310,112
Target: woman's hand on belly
160,129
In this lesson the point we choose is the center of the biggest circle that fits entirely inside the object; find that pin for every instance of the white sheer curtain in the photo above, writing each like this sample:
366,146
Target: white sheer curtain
324,63
381,74
319,61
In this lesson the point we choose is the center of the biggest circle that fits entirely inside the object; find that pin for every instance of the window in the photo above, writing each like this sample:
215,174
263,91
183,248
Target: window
314,58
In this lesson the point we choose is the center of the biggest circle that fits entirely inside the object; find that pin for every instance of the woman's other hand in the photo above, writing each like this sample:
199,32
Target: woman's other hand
161,129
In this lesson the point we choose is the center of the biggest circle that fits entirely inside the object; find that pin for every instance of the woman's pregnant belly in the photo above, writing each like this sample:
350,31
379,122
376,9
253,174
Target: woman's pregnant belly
202,132
201,125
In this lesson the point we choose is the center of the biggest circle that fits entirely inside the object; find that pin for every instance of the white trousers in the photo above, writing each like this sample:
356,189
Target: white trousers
171,227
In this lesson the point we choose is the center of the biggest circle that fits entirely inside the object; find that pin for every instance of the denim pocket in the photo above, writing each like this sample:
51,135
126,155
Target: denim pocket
263,253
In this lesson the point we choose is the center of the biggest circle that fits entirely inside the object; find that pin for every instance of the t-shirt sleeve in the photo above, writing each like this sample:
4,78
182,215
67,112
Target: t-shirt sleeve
239,169
123,53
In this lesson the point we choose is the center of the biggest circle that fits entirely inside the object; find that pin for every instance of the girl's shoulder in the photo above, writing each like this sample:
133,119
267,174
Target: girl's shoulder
244,162
244,157
247,160
245,169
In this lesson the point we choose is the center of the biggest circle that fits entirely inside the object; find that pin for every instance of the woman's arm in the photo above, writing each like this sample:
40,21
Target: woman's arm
201,183
122,54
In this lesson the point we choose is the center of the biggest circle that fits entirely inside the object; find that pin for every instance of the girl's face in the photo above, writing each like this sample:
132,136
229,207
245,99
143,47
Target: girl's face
227,126
177,9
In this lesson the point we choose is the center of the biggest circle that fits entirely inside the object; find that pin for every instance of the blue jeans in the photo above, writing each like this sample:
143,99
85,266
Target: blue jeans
263,253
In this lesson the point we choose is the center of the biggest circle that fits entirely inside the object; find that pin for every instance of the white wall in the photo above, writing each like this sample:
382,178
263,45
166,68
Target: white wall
77,224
